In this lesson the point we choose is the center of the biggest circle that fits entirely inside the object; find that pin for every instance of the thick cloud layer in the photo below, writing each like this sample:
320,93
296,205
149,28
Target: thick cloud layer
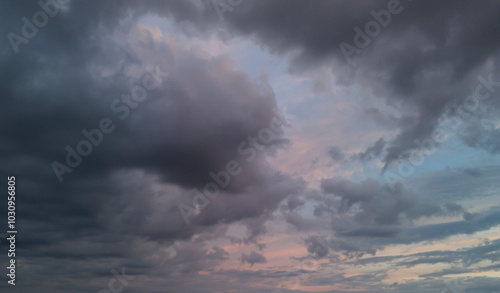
143,152
126,194
442,48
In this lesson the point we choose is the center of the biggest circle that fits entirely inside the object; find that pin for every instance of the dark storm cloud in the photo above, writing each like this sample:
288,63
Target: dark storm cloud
120,206
125,195
207,107
442,48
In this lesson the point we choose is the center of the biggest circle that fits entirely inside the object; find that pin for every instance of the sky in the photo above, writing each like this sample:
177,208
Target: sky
251,146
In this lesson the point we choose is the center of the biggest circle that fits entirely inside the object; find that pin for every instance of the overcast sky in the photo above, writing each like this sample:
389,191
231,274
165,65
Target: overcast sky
237,146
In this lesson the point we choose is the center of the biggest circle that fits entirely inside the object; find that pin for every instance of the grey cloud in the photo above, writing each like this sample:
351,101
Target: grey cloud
125,195
253,258
366,216
371,152
119,207
294,202
432,66
320,247
377,204
336,154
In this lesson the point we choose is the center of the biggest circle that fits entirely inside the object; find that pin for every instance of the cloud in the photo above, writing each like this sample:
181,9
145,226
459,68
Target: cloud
252,258
431,68
122,201
120,206
371,152
375,203
336,154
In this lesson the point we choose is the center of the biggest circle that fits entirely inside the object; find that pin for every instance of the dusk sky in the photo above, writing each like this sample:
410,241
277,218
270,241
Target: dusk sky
251,146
